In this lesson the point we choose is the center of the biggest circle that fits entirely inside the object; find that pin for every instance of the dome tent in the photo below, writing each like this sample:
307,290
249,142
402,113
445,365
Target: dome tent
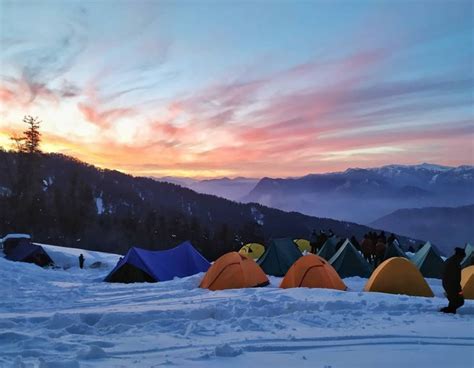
467,282
233,271
469,259
429,261
313,272
394,250
397,275
303,245
329,248
279,257
252,250
348,262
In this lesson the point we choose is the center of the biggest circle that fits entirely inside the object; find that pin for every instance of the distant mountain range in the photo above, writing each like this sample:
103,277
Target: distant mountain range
446,226
63,201
364,195
233,189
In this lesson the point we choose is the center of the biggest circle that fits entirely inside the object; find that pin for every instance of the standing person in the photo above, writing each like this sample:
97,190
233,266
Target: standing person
313,241
452,281
81,261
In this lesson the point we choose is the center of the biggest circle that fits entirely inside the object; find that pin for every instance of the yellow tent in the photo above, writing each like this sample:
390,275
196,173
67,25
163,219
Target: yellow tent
397,275
303,245
252,250
467,282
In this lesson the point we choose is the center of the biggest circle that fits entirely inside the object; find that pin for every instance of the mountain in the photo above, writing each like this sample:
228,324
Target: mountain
363,195
446,226
232,189
60,200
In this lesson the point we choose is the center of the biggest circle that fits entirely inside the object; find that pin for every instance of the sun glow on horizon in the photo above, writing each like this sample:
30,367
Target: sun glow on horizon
156,96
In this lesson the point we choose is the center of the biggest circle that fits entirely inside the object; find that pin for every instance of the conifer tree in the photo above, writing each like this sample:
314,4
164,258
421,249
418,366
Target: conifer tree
32,135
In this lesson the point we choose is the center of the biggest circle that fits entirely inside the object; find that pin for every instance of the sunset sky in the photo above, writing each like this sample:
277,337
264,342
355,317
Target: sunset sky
241,88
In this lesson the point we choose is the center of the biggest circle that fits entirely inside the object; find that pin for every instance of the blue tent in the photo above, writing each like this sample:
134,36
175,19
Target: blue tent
141,265
30,253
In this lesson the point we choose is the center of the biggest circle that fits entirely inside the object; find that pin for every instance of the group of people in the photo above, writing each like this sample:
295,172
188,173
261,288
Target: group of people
373,245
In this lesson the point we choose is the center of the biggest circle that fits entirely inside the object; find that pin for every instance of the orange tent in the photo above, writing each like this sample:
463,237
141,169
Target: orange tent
313,272
467,282
397,275
233,271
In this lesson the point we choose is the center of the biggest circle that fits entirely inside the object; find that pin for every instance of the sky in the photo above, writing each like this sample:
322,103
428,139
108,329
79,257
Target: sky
241,88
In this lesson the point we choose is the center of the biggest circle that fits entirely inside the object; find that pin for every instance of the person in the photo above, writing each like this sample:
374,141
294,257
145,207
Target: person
452,281
380,249
368,247
81,261
313,241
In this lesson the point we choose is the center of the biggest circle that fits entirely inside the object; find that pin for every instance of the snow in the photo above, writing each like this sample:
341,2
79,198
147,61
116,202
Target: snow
15,236
99,203
70,318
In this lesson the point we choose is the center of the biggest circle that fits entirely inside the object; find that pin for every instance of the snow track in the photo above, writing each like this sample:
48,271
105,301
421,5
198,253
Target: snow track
69,318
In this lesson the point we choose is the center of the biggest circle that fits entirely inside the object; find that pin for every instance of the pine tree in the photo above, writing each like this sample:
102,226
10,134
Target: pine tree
32,135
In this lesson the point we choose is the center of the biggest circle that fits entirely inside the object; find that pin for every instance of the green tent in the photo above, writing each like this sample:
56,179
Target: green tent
329,248
429,261
348,262
469,259
394,250
279,256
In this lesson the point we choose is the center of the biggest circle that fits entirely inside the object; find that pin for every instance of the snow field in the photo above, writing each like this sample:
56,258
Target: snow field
70,318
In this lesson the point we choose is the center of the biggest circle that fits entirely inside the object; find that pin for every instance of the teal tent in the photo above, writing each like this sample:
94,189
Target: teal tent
329,248
429,261
279,256
348,262
469,259
394,250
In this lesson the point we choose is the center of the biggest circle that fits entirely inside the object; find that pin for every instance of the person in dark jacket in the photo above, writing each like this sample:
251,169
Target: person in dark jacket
313,241
81,261
452,281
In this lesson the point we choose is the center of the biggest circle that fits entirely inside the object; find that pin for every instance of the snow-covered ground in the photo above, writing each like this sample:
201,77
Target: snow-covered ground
52,318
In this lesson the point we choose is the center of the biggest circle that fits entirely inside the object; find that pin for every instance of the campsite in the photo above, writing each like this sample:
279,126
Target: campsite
236,184
228,312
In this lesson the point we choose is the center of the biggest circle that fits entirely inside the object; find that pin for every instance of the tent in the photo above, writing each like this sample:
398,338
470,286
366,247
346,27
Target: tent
469,259
10,241
313,272
252,250
397,275
467,282
141,265
279,257
233,271
428,261
303,245
348,262
394,250
30,253
329,248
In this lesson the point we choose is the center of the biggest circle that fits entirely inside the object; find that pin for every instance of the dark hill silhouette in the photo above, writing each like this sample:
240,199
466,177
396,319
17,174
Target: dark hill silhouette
60,200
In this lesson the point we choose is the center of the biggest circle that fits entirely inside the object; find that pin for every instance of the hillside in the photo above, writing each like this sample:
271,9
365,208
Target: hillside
60,200
446,226
364,195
